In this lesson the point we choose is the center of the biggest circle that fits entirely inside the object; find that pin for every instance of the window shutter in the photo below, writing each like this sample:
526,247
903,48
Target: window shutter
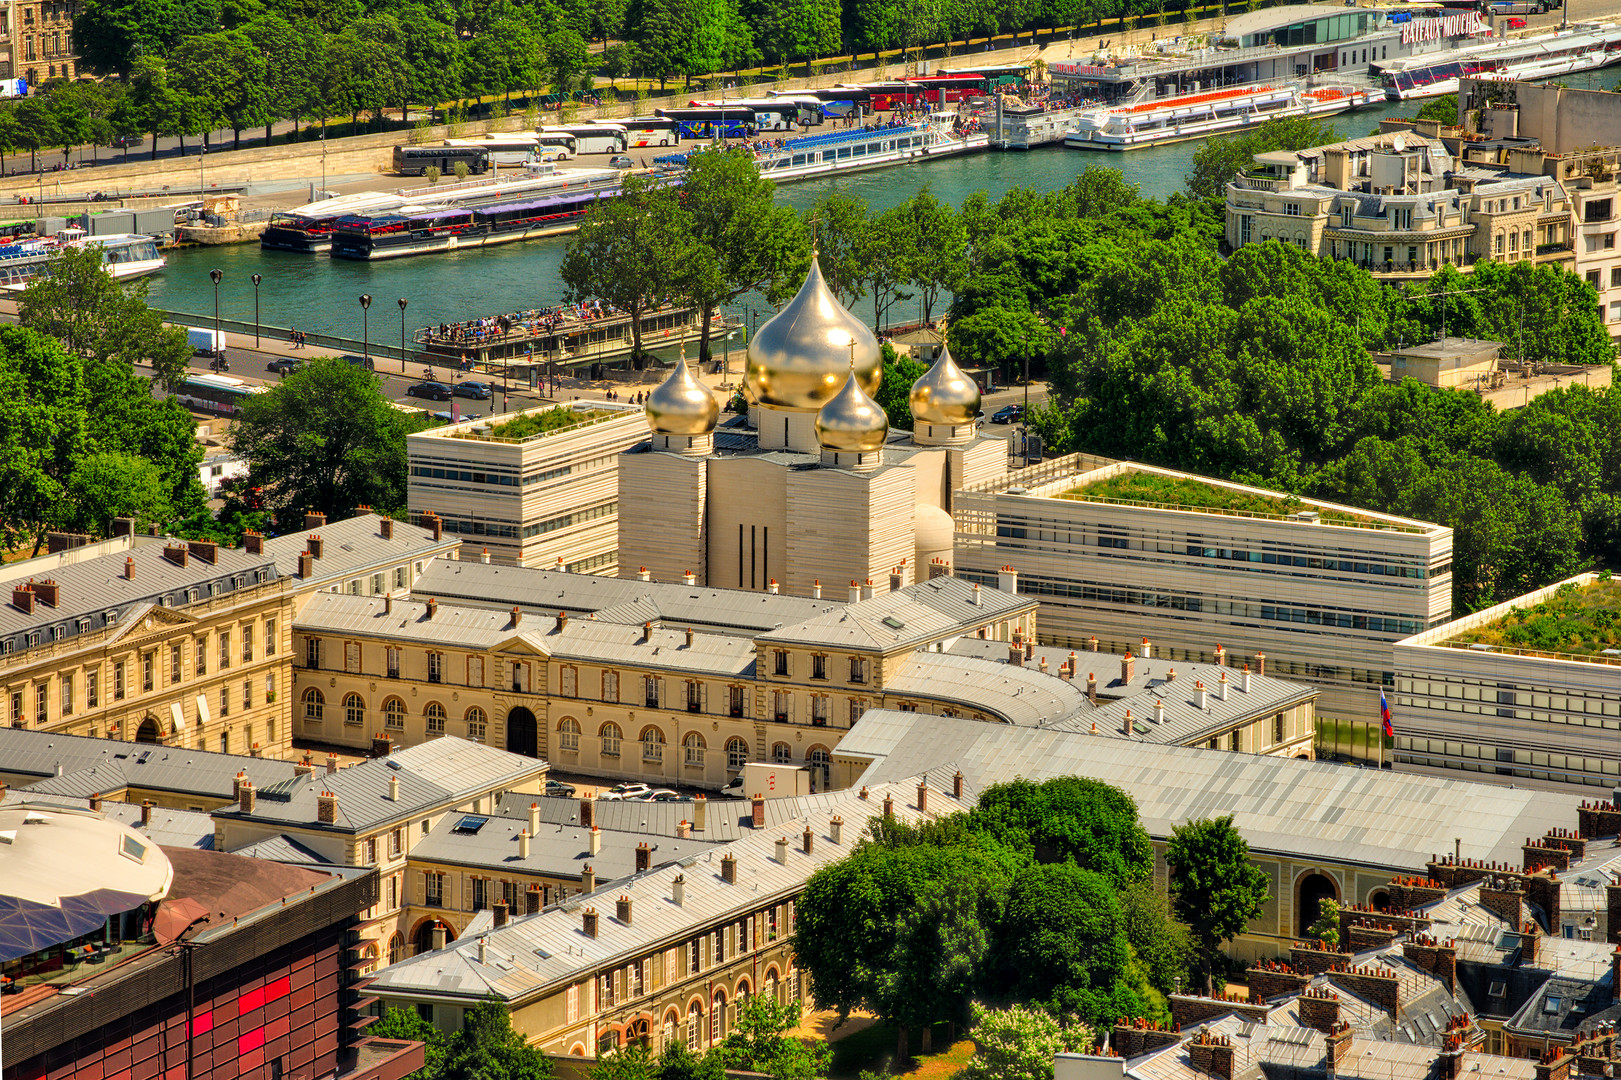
421,894
467,893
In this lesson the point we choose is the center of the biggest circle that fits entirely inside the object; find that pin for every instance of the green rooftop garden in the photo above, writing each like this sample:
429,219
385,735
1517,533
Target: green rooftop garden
1582,620
1197,495
528,425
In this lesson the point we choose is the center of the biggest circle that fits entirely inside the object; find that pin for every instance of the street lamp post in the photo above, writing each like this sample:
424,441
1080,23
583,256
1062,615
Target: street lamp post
365,329
202,190
402,335
214,346
256,279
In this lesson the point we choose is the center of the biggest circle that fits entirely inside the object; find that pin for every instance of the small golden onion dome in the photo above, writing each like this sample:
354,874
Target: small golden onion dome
944,395
681,405
852,422
799,358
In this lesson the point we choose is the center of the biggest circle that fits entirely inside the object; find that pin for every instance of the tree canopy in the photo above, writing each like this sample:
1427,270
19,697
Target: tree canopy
1215,888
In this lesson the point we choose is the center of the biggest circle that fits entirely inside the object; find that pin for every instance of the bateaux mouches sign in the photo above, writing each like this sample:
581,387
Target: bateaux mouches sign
1464,24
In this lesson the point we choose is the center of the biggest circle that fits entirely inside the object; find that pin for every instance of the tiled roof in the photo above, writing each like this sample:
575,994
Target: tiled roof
1334,812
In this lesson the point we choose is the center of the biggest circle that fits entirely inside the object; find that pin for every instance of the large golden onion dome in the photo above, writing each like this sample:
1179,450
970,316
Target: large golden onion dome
852,422
799,358
681,405
944,395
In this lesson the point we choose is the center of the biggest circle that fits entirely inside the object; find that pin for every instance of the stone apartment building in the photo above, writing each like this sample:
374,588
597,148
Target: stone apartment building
41,40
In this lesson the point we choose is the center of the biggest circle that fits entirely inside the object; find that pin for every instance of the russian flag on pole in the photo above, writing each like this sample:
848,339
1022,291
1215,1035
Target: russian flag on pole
1384,714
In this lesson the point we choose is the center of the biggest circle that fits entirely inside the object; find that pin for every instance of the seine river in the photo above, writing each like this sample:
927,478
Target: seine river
318,294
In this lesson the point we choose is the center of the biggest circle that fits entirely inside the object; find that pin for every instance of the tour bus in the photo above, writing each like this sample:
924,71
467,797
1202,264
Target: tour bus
553,144
889,96
729,122
594,138
943,89
651,131
836,101
416,160
219,394
516,149
774,113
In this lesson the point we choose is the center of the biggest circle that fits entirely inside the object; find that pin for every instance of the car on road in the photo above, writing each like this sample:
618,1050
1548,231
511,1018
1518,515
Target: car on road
285,365
669,796
128,140
621,792
558,789
1008,414
621,161
472,388
433,391
656,795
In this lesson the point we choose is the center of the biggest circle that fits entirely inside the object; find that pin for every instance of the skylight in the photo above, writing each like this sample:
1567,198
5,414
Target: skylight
470,823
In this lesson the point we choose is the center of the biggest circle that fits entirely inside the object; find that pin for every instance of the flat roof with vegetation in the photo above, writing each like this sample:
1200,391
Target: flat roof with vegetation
536,423
1185,493
1577,620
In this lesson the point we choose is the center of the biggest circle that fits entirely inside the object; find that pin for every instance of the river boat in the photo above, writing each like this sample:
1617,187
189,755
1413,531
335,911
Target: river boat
308,229
570,335
1543,56
426,230
124,255
873,147
1180,117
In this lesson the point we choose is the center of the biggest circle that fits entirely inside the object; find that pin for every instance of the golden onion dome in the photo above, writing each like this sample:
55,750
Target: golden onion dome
799,358
851,422
681,405
944,395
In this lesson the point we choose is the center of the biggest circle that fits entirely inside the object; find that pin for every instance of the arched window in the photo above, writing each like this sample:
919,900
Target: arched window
476,724
671,1019
354,709
768,985
717,1018
568,735
314,704
693,746
782,753
611,738
394,713
396,949
435,713
695,1025
821,767
737,753
652,744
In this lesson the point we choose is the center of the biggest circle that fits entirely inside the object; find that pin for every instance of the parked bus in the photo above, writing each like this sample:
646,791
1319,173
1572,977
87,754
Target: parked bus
774,113
889,96
729,122
416,160
943,89
555,145
517,149
652,131
835,101
595,138
218,394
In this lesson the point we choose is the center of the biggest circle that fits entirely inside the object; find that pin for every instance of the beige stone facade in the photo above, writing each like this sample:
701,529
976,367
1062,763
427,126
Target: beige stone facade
42,41
1596,207
546,500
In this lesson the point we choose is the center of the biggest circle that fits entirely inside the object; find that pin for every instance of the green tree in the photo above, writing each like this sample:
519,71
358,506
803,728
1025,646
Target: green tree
1070,819
751,243
36,126
567,58
228,73
406,1024
1327,927
1443,108
894,389
111,35
837,224
107,485
633,252
760,1042
632,1062
324,438
935,252
292,55
1219,159
42,421
1215,888
487,1048
1019,1043
1161,944
789,30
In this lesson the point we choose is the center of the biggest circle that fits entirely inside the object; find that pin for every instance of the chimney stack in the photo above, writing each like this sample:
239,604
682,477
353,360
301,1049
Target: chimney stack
1221,687
314,520
523,843
176,553
517,617
772,588
683,829
644,574
388,604
431,609
647,632
588,813
1260,663
306,565
500,910
922,797
976,594
394,788
728,869
690,578
807,840
689,637
1007,580
1092,687
700,812
146,812
485,557
331,763
1221,656
49,591
1125,724
1201,696
855,591
326,808
897,580
588,879
782,850
758,804
315,545
1244,679
129,568
596,840
534,819
867,590
956,785
1147,651
246,797
816,589
253,542
678,890
622,909
385,526
889,806
589,920
438,937
95,802
1015,653
436,525
562,621
835,830
1159,712
1128,668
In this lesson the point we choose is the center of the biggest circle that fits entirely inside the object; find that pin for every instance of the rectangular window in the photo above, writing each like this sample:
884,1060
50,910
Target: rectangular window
67,694
481,894
818,667
247,693
199,660
174,663
351,657
42,702
270,687
371,852
225,701
1277,728
650,688
780,662
475,671
270,637
312,653
392,657
118,681
736,704
781,706
17,709
435,884
148,662
91,687
394,843
436,664
247,642
225,649
819,710
858,669
610,686
568,680
857,707
694,957
399,577
695,700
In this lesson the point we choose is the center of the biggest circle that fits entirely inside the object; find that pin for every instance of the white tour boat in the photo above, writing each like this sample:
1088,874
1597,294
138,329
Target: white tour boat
1543,56
1157,121
125,255
859,148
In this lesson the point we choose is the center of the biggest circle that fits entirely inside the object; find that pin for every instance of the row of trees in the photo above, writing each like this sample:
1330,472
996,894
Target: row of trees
1041,895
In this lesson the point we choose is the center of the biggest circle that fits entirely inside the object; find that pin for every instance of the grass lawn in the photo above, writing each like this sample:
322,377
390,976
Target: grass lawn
1197,495
1582,620
873,1048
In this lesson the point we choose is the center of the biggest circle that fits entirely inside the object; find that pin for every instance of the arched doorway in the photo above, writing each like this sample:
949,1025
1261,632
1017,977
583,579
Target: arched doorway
422,940
150,731
639,1033
523,734
1379,900
1310,892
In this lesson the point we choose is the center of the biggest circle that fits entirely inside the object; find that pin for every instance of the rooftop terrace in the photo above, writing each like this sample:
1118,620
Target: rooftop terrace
1579,621
536,423
1161,492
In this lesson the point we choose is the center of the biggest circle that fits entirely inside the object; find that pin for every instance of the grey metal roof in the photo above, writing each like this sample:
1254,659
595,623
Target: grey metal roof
280,848
54,763
1018,695
918,613
445,771
355,545
600,642
453,625
724,818
1288,806
538,951
95,587
168,827
557,850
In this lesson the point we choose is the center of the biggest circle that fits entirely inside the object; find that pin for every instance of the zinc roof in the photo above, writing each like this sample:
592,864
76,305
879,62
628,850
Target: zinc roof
168,827
724,818
280,848
557,850
922,612
73,765
538,951
616,643
452,625
354,545
1018,695
1290,806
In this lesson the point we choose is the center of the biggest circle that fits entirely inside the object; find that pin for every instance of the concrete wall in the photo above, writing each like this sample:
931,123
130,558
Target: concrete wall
1564,120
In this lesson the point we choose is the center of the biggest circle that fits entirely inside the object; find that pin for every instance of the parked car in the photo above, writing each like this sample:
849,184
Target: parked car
558,789
433,391
127,140
656,795
1008,414
670,796
285,365
1516,24
621,161
621,792
472,388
